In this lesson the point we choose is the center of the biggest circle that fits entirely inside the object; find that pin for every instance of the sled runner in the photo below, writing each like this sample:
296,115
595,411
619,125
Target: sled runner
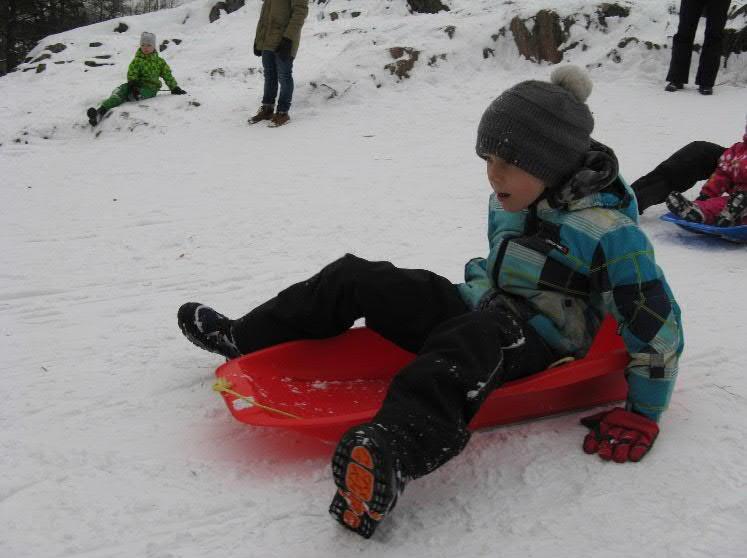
323,387
734,234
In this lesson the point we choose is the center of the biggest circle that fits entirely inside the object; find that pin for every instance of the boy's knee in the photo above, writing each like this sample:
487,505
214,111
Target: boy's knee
346,268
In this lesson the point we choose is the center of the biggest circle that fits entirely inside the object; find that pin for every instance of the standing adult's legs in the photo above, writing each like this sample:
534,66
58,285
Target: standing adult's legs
710,54
682,42
285,77
271,77
402,305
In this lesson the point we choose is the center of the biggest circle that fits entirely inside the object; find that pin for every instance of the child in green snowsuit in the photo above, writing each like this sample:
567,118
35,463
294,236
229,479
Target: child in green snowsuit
143,79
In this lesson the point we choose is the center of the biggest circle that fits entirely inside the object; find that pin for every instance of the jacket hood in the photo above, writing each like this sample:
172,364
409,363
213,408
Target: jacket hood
596,184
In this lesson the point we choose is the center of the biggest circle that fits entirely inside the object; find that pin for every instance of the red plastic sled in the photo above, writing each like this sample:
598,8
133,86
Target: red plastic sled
323,387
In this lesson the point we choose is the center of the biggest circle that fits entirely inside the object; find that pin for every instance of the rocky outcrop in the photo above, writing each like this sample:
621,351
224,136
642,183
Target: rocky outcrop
427,6
542,42
227,6
606,10
405,58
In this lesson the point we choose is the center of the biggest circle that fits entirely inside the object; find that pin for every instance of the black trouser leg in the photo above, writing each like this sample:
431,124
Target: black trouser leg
431,401
682,42
402,305
688,165
710,54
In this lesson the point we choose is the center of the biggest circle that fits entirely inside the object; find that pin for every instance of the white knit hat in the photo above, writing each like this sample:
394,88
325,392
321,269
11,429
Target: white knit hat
148,39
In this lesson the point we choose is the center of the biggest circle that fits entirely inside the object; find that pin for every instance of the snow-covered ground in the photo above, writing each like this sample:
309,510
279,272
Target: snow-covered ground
112,443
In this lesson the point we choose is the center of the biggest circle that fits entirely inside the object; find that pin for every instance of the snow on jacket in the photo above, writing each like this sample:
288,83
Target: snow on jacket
731,172
147,69
278,19
575,256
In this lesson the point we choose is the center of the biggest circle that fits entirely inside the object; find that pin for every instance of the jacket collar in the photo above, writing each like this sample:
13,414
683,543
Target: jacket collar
595,184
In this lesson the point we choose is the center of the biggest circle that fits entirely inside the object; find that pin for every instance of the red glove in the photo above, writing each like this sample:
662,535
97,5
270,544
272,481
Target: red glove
619,435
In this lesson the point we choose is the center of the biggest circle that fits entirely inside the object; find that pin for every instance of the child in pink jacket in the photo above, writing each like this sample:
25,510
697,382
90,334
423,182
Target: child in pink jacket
723,198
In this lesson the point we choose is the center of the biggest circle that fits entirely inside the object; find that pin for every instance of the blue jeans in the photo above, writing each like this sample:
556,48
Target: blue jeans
277,71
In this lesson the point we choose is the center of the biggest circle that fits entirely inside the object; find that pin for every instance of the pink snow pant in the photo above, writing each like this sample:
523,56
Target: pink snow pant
712,207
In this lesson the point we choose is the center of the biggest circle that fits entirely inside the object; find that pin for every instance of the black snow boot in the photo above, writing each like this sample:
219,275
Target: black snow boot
95,115
369,477
683,208
207,329
734,210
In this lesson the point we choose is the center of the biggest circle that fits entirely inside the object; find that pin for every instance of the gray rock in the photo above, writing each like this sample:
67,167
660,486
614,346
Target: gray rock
227,6
427,6
405,58
57,47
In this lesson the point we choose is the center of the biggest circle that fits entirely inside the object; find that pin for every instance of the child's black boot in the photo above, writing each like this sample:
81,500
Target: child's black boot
683,208
95,115
207,329
733,211
369,477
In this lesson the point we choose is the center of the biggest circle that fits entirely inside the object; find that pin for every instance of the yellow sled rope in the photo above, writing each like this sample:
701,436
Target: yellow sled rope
224,386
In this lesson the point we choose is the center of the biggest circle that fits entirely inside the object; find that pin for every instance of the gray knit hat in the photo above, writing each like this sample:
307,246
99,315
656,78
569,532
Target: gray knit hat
541,127
148,39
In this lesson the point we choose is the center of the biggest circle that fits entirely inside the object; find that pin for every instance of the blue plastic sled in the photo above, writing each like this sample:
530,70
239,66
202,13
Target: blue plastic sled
734,234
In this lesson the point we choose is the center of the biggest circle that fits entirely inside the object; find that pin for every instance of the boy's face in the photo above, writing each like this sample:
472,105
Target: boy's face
515,188
147,49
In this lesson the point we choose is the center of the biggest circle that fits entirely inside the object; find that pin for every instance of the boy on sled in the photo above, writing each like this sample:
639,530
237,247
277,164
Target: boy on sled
565,250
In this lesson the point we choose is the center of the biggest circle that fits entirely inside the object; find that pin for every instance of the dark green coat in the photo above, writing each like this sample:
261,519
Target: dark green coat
278,19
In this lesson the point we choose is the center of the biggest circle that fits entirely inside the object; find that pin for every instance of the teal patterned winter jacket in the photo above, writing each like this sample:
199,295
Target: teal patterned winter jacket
575,256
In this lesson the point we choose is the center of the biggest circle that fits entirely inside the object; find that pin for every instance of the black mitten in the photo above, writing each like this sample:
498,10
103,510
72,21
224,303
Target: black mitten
284,49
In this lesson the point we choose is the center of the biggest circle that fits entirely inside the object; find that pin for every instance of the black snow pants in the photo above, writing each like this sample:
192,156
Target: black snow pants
688,165
682,42
462,355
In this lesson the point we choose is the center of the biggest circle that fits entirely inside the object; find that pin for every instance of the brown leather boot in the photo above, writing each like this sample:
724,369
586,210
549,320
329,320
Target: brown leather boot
265,112
279,119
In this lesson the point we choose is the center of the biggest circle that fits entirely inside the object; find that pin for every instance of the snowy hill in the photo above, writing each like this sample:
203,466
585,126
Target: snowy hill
350,49
112,443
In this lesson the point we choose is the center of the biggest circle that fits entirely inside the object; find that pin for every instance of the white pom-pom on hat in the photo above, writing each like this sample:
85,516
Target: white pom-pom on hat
574,79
